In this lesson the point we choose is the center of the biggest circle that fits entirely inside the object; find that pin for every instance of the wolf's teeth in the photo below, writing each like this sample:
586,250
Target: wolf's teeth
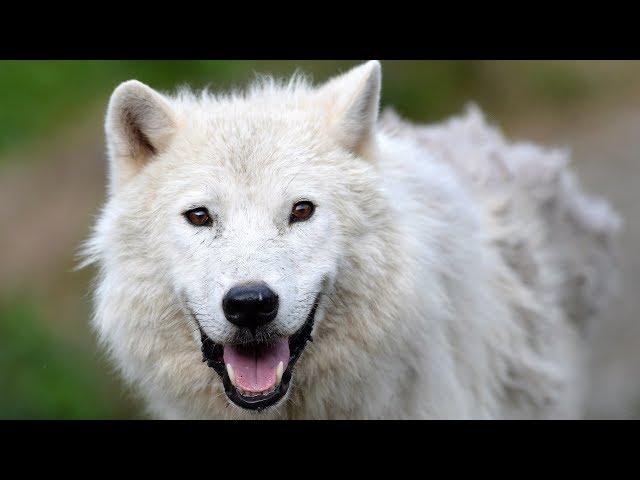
231,374
279,372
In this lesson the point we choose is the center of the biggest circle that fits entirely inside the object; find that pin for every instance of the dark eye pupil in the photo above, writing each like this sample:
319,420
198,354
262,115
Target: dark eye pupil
301,211
198,217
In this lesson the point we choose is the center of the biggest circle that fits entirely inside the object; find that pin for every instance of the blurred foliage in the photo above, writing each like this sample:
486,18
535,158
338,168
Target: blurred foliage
42,95
50,366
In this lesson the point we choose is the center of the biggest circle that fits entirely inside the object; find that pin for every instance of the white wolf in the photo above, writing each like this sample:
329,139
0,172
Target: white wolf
441,271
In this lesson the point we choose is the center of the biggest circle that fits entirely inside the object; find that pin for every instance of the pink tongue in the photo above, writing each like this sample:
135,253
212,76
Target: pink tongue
255,367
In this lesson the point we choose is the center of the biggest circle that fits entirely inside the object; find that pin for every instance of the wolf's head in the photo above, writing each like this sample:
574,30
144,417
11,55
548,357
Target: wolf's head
234,210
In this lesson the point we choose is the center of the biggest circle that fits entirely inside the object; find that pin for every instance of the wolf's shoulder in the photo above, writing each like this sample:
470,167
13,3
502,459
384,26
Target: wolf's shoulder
479,152
538,215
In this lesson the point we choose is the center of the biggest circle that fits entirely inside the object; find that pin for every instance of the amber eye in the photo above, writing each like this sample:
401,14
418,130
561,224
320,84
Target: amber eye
301,211
198,217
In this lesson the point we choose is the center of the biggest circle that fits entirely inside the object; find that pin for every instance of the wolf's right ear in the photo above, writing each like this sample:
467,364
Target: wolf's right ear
140,124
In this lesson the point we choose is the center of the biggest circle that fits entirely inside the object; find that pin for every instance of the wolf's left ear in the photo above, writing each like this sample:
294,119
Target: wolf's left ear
140,124
352,101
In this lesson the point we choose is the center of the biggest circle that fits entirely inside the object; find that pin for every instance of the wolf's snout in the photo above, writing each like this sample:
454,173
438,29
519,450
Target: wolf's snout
250,305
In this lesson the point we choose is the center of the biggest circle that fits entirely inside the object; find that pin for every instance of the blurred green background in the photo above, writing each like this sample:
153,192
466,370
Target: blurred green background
52,169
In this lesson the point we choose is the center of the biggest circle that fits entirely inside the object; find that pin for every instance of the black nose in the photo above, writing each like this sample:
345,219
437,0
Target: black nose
250,305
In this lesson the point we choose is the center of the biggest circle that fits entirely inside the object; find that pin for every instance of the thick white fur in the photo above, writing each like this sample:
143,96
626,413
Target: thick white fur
459,270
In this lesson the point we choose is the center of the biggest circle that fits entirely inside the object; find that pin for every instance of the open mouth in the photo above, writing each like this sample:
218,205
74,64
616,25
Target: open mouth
256,375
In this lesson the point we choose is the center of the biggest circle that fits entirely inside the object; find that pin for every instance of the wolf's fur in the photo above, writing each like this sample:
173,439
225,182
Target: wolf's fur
459,271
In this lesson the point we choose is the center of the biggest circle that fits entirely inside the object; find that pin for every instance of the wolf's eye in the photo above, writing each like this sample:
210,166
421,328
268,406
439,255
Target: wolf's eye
301,211
198,217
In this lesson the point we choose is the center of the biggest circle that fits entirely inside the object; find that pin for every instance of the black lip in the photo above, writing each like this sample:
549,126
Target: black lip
212,354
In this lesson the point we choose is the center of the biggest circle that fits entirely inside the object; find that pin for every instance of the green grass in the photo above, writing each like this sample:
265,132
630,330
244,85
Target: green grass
45,376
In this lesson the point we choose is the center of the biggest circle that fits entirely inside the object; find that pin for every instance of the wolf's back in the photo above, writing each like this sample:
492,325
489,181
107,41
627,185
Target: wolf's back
558,240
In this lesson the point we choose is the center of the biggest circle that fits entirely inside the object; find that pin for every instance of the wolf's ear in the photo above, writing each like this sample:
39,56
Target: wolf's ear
352,101
140,124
